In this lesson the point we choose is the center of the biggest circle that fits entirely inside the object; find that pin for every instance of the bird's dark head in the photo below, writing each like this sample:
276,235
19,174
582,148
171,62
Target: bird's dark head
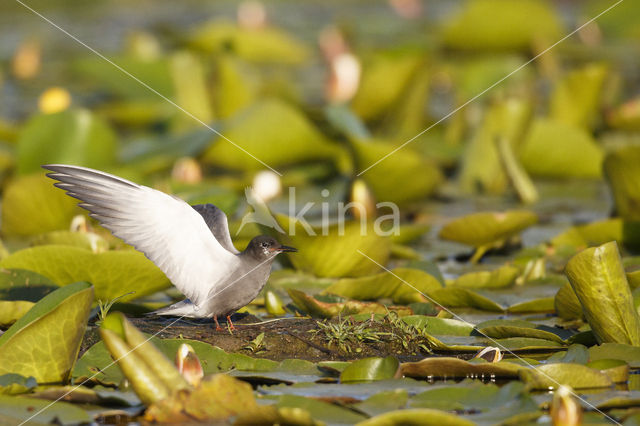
264,247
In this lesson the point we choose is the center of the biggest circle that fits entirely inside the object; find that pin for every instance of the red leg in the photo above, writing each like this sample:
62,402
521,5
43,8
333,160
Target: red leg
231,327
218,328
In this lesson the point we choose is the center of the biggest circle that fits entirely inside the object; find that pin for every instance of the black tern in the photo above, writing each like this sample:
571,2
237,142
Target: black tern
190,244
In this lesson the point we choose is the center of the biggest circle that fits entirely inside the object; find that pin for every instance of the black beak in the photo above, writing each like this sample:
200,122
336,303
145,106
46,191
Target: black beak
284,249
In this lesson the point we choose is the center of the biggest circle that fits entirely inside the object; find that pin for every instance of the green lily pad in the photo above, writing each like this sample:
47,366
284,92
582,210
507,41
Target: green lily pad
85,240
577,97
598,279
439,326
627,353
256,131
319,410
482,165
616,369
387,285
567,305
152,375
568,151
498,278
338,253
68,137
15,410
237,85
448,368
113,273
154,72
12,311
577,376
417,416
19,284
45,341
599,232
191,90
31,206
576,353
502,329
620,169
487,228
13,384
383,402
384,78
216,399
268,44
453,297
97,365
370,369
502,24
317,308
400,178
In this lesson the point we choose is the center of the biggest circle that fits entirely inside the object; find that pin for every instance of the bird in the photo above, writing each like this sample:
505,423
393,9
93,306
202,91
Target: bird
190,244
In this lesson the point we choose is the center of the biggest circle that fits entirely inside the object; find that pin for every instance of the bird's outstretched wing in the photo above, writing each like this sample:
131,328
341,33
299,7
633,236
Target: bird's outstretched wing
166,229
217,222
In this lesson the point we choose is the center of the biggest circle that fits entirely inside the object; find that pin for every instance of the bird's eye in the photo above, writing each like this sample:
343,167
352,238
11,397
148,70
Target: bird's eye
265,245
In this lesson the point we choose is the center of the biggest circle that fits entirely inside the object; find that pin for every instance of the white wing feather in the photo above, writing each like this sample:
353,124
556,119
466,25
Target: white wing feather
166,229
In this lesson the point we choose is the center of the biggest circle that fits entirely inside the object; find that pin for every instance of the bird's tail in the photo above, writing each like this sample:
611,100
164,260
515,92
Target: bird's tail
183,308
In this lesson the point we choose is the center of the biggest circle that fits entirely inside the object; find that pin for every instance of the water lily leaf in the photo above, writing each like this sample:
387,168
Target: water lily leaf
577,96
12,311
567,305
237,85
599,232
627,353
620,169
487,228
453,297
439,326
154,72
448,368
321,411
31,206
217,398
69,137
576,353
191,90
328,310
502,329
15,410
617,370
268,44
503,276
19,284
577,376
387,285
525,344
14,384
113,273
482,166
598,279
335,253
85,240
513,25
370,369
45,341
97,365
385,77
400,178
256,130
568,151
544,304
383,402
469,396
417,416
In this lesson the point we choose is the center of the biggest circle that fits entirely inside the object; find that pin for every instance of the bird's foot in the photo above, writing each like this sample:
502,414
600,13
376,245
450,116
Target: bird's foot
218,328
229,323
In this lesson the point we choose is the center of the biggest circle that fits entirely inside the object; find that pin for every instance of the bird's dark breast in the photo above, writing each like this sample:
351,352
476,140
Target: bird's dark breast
237,291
